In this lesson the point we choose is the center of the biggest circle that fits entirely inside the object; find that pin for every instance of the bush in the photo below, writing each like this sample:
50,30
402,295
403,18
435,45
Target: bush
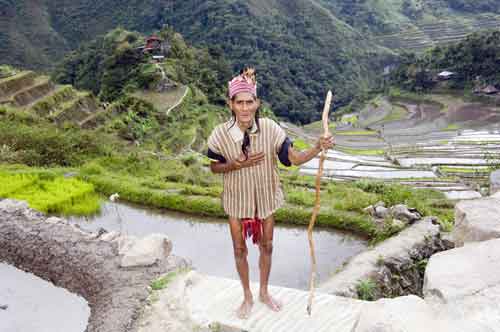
48,145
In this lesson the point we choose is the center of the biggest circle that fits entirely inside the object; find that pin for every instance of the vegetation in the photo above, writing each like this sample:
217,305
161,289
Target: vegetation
48,191
366,289
473,60
267,35
112,65
25,142
291,44
163,281
6,71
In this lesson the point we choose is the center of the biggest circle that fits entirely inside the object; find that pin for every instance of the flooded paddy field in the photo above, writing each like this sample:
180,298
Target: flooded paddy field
441,139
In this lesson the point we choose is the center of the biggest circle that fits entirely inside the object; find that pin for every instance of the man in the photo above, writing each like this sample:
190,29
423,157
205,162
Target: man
245,150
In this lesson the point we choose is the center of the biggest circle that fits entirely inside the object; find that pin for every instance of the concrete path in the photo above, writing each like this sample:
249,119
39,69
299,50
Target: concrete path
195,302
213,301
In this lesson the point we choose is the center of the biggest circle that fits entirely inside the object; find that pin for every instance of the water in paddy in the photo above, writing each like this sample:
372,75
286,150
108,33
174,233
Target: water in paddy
34,304
207,243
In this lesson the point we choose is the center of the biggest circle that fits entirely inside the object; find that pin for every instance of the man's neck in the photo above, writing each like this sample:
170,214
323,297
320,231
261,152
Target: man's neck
245,125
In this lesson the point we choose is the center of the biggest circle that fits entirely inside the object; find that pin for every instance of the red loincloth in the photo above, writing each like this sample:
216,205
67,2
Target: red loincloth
252,228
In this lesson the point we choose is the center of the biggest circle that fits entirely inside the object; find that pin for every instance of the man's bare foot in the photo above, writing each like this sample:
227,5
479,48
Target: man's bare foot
272,303
245,308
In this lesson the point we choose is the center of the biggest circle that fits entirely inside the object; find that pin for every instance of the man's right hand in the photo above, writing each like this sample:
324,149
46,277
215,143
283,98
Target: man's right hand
252,160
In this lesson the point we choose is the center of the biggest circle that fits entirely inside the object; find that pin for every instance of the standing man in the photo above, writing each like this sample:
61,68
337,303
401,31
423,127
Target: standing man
245,150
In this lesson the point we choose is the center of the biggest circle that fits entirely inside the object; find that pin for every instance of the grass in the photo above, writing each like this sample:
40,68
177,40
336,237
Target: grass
185,185
300,144
318,125
7,71
171,177
361,152
397,113
163,281
353,119
356,133
365,290
52,102
452,127
462,170
50,193
191,189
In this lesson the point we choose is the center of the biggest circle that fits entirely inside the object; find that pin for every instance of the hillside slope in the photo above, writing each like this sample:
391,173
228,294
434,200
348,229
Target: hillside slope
301,47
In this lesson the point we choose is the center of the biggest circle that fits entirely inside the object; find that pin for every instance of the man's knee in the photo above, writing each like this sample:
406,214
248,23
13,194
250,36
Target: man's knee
266,248
240,253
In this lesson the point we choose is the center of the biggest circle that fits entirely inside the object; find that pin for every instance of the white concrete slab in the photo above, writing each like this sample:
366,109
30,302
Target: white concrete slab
462,194
213,301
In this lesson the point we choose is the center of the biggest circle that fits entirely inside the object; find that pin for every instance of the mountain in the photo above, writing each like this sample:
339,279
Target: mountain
301,48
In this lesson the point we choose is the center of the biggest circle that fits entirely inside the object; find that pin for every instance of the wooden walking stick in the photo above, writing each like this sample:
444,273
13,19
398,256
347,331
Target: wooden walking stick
326,132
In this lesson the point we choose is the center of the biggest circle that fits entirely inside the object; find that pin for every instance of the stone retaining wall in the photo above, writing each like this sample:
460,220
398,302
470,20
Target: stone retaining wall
393,268
494,182
87,264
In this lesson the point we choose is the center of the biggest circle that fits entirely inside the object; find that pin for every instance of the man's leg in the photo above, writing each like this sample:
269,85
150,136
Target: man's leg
240,256
265,259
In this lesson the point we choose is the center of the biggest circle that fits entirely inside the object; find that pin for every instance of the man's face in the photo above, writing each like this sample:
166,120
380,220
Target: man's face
244,105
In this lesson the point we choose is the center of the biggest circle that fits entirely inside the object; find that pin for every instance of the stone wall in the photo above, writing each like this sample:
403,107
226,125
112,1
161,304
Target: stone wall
394,267
494,182
477,220
106,269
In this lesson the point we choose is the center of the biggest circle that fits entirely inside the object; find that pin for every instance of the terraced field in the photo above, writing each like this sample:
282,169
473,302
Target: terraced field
424,35
37,94
443,143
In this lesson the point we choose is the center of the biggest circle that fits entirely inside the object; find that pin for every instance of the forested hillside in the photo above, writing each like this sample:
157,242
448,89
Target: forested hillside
113,64
474,62
301,48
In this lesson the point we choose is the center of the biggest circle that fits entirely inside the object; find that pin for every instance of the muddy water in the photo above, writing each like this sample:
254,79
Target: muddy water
37,305
207,243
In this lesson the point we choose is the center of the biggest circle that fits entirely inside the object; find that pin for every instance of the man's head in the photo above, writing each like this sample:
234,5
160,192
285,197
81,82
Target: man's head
243,100
244,106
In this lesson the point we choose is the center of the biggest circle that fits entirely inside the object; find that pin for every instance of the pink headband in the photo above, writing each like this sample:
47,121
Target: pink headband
243,83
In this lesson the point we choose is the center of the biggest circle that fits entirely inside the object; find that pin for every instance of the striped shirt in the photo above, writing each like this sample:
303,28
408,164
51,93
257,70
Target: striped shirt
251,191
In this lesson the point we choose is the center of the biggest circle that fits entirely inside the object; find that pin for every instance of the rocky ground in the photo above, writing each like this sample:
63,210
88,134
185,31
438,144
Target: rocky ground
459,292
112,272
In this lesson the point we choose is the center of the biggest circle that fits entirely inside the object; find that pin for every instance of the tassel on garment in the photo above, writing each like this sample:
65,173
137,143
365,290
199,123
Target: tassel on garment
252,228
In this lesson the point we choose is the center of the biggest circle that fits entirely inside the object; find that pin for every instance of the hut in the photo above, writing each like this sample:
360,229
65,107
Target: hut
445,75
490,90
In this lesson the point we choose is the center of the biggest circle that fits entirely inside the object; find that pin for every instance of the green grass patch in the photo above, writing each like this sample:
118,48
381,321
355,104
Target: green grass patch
463,170
318,125
397,113
361,152
300,144
366,289
452,127
356,133
352,120
163,281
50,193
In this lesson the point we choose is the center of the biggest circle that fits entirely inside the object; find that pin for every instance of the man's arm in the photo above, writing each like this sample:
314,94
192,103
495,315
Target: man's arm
220,167
300,157
234,165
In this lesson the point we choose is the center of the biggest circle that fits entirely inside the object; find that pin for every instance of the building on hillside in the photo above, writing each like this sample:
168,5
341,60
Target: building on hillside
156,47
445,75
490,90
